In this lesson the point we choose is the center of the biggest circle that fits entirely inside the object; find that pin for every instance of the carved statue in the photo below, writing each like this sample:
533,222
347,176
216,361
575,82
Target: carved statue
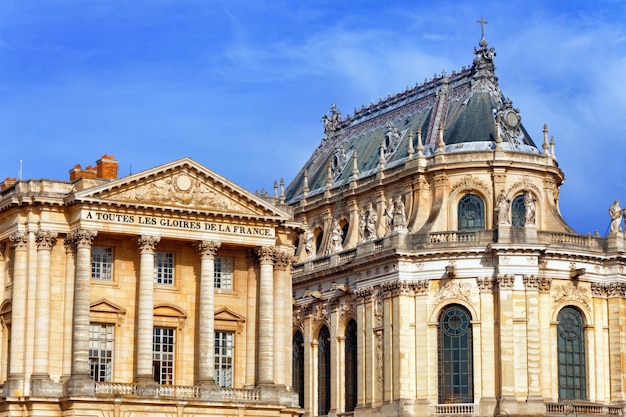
389,215
372,219
308,245
336,237
529,204
362,224
615,211
399,215
331,122
502,209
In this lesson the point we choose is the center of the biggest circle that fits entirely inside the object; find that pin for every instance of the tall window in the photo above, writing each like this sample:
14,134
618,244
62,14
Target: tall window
351,366
297,375
101,352
223,273
164,268
224,355
163,355
102,263
518,211
455,364
571,355
471,213
323,372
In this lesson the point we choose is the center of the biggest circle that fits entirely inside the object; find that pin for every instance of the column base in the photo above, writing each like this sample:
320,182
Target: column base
42,386
14,386
81,386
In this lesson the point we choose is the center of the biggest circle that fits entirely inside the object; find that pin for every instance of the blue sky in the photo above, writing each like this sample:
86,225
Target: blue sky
240,86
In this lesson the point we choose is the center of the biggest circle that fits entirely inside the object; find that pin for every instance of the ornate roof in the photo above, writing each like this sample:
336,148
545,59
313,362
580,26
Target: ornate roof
464,107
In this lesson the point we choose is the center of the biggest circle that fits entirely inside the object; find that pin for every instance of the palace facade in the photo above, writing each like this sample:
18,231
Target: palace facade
159,294
436,275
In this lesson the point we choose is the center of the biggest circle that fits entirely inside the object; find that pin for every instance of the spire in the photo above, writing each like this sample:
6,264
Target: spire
483,66
410,151
546,146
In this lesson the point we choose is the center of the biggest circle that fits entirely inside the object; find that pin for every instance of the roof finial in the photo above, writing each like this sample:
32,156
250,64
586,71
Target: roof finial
482,22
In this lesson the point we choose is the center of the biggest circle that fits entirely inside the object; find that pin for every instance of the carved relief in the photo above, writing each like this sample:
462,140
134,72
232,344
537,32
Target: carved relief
454,289
208,247
616,289
84,238
19,240
598,290
485,284
178,189
506,282
400,287
379,359
147,244
569,292
379,310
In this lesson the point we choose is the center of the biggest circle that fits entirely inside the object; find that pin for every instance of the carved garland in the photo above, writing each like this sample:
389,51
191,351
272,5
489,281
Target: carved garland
469,183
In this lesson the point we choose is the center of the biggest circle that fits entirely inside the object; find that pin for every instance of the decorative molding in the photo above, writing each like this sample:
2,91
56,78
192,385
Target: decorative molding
380,364
485,284
379,308
84,238
506,282
469,183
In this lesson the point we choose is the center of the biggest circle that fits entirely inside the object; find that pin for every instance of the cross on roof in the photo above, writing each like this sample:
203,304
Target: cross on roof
482,22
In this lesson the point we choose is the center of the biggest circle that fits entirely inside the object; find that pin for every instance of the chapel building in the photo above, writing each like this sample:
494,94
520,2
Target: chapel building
163,293
436,275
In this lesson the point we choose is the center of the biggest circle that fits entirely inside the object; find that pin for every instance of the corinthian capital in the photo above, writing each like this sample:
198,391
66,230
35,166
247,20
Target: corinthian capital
266,254
84,238
147,244
208,247
45,239
19,240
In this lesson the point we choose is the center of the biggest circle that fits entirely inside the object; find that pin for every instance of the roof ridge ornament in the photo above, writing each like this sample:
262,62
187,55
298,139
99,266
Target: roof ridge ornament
484,78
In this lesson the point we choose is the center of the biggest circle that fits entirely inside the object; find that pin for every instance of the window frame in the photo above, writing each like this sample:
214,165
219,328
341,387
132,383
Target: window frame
221,277
464,222
224,371
571,339
518,211
164,268
163,354
99,363
455,361
323,371
100,265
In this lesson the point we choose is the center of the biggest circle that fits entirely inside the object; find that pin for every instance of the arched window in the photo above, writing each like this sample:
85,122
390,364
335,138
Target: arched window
351,366
518,211
455,362
323,372
571,350
318,240
297,377
471,213
344,230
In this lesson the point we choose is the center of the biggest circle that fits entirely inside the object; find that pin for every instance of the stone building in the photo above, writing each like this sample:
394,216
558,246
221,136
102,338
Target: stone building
436,275
162,293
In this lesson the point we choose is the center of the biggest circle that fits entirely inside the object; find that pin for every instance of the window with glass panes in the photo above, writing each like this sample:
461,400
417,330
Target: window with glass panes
471,213
518,211
164,268
455,358
571,355
102,263
223,273
323,371
101,352
163,355
224,355
297,362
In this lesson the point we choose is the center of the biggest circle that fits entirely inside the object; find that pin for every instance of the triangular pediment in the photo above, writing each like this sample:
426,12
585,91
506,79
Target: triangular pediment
226,314
104,306
180,185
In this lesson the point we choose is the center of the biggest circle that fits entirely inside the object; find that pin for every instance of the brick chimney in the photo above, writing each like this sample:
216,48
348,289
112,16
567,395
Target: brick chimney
106,167
7,183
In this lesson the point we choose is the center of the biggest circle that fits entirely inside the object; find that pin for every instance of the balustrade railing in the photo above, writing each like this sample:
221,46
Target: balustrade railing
458,409
115,389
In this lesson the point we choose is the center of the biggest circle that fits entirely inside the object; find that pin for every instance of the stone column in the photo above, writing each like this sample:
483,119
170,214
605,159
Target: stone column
68,310
145,307
251,322
282,318
206,325
15,380
266,317
80,381
45,241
